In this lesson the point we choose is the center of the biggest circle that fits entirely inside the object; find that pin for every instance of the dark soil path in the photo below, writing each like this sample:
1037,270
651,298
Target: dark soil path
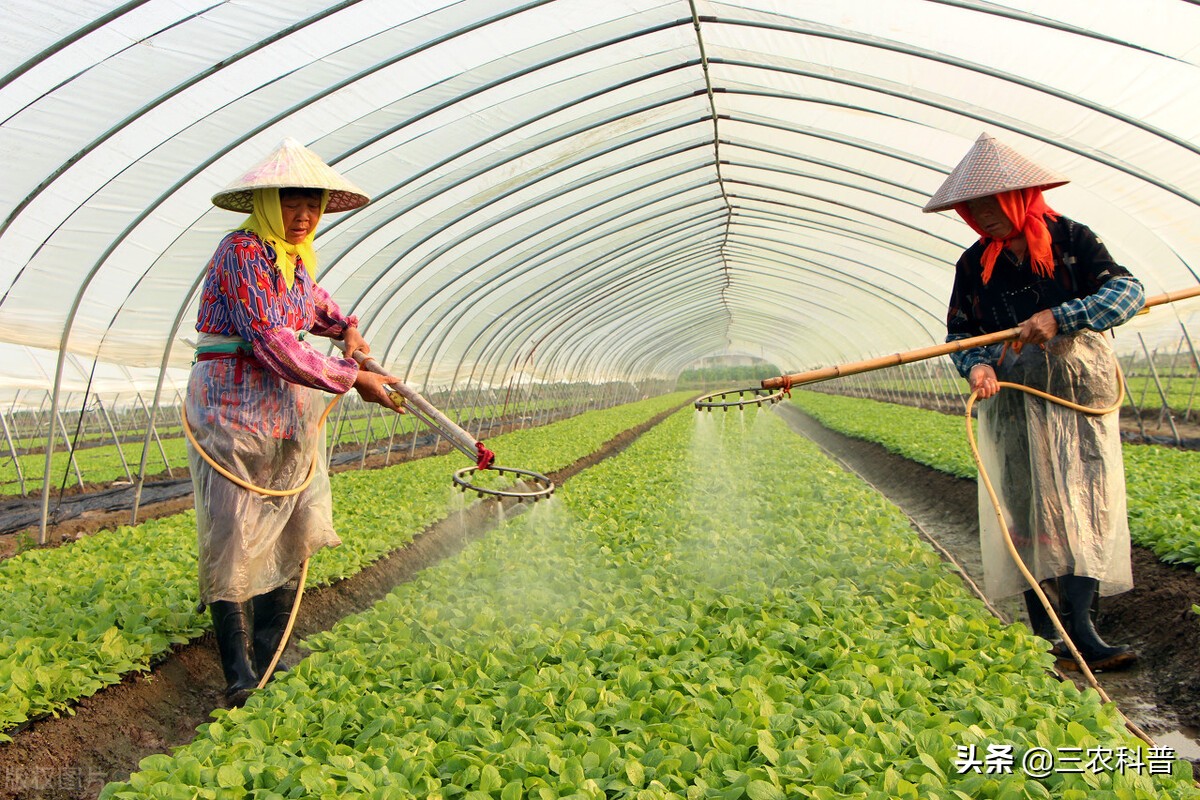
1161,694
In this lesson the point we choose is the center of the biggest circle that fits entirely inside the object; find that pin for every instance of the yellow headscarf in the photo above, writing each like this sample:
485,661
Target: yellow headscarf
266,220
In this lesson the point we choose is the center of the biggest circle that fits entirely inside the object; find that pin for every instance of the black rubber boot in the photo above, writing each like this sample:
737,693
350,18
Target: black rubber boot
1078,595
232,624
1039,620
271,613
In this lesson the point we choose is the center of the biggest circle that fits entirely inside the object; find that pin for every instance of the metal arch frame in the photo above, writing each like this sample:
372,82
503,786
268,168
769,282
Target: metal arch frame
245,53
553,316
578,322
603,354
1042,22
411,272
382,135
792,260
387,298
871,43
756,147
383,300
841,257
570,284
758,66
825,77
932,55
569,338
499,273
643,352
672,358
962,112
561,241
768,218
66,41
557,319
466,236
566,310
792,29
221,152
898,304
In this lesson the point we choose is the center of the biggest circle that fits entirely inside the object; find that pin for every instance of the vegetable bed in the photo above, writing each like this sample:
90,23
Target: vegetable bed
1162,484
75,618
688,619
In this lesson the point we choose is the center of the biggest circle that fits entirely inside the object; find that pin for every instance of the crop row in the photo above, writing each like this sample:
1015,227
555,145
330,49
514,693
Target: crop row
1162,484
102,463
686,620
1182,390
75,618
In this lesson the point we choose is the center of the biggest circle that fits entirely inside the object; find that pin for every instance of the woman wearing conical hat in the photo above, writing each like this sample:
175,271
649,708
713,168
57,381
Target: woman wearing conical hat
255,398
1058,472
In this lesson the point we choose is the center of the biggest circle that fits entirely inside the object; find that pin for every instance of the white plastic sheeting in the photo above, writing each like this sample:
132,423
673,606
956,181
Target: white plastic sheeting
576,189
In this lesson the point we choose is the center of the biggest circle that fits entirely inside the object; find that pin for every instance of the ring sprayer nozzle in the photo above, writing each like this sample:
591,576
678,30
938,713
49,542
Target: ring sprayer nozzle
531,485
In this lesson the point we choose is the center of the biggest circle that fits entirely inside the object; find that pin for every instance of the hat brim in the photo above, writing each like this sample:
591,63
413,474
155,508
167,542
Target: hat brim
291,166
242,199
946,205
990,167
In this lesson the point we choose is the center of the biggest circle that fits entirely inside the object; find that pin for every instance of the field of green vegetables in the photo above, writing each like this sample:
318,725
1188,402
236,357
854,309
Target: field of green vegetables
1162,484
75,618
102,463
685,620
1182,391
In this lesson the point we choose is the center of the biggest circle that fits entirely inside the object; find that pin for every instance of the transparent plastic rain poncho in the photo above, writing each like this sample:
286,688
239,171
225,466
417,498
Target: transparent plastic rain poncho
1058,472
250,543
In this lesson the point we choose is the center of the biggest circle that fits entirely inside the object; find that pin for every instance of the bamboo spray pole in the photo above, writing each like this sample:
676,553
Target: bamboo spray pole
933,351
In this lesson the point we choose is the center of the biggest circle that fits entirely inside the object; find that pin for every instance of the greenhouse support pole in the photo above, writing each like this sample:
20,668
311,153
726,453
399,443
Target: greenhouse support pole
387,454
362,462
153,414
116,440
1187,414
1129,396
476,408
1171,373
41,537
441,402
12,412
150,421
337,432
1161,393
13,450
62,429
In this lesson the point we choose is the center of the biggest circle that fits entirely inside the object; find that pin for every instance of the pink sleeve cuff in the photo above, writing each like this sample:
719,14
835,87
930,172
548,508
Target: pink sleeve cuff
280,352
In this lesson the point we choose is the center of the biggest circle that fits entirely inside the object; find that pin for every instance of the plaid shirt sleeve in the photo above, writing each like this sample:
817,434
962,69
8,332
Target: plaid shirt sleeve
1113,304
965,360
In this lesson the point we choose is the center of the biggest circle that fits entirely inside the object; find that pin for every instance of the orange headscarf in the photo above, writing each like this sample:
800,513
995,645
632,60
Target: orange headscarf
1027,211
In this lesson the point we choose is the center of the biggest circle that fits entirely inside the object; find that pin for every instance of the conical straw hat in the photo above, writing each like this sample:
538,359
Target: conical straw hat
988,168
291,165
